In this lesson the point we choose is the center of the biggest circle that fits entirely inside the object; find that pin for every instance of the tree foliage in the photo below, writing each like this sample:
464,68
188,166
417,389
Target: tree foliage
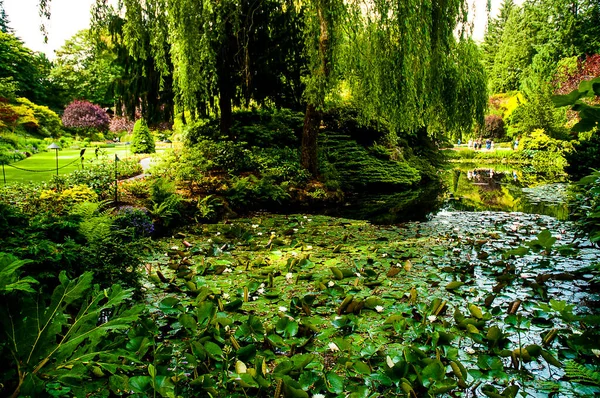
142,140
4,22
85,116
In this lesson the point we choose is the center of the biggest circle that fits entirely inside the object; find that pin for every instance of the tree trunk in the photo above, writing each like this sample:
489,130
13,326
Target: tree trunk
225,108
313,116
310,133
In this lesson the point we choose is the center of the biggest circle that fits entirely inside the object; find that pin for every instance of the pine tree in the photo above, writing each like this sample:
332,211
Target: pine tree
142,140
4,27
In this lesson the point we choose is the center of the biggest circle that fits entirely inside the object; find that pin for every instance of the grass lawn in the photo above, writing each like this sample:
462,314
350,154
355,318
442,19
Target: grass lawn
42,166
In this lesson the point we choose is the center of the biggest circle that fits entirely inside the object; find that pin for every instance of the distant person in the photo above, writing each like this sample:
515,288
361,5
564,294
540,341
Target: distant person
492,145
488,144
96,151
516,146
470,144
459,142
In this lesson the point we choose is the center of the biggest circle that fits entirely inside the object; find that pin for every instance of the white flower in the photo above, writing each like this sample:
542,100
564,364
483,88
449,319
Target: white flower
282,309
305,217
294,254
470,350
260,291
358,274
225,296
318,396
333,346
209,240
255,298
254,226
289,276
296,230
262,285
337,318
227,270
217,234
384,255
259,233
175,248
379,308
309,247
166,254
331,283
272,233
432,318
309,220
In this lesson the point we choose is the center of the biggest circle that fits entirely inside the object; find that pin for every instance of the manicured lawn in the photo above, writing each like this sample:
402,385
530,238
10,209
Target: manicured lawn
42,166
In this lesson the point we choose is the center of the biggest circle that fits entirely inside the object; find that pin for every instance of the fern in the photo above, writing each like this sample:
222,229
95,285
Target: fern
582,374
96,225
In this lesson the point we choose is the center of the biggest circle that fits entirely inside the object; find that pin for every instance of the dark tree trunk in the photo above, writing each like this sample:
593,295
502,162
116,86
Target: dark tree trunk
310,133
313,116
225,108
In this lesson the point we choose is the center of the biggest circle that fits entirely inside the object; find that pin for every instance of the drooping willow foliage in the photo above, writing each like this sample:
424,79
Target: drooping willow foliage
407,67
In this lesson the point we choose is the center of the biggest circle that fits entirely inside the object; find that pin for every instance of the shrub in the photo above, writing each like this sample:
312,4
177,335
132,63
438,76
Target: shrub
48,122
494,127
135,219
142,140
85,116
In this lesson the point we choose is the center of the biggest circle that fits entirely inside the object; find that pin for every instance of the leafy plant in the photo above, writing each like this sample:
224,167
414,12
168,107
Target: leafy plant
85,116
69,338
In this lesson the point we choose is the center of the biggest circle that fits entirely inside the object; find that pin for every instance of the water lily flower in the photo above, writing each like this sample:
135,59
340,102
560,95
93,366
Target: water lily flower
217,234
259,233
305,217
432,318
254,226
379,308
260,291
254,298
209,240
333,346
227,270
289,276
295,229
331,283
469,350
262,285
318,396
226,296
309,247
384,255
272,233
358,274
309,220
294,254
282,309
174,247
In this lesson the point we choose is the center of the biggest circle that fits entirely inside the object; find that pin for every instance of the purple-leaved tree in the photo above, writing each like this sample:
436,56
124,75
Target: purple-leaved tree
86,117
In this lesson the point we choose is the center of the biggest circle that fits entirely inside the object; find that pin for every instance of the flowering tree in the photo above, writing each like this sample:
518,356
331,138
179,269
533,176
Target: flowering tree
85,116
118,124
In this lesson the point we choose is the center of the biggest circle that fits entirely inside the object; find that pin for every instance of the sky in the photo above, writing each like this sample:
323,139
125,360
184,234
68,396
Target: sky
70,16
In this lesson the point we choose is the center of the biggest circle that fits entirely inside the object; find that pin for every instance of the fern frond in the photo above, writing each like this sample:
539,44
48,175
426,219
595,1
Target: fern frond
581,373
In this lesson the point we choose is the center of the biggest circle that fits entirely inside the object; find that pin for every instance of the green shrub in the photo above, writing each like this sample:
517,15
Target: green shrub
584,157
142,140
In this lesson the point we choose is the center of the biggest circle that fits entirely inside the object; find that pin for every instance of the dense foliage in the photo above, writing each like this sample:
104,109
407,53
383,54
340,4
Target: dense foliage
142,140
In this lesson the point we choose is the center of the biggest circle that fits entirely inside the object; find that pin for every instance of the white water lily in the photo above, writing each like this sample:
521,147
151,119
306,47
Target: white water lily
308,247
254,226
262,285
225,296
294,254
282,309
259,233
227,270
432,318
289,276
260,291
384,255
295,229
174,247
469,350
333,346
379,308
309,219
272,233
318,396
217,234
358,274
331,283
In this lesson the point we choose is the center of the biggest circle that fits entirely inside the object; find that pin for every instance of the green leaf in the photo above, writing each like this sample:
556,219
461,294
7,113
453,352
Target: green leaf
335,383
140,384
568,99
213,350
454,285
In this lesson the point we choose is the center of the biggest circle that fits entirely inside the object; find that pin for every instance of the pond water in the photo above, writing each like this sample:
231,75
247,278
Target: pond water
507,188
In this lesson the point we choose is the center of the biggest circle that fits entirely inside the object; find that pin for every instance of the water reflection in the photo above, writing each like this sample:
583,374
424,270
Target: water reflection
506,188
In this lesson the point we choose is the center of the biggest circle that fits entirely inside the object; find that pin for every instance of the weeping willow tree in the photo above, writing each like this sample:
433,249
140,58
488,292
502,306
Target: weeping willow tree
219,54
408,64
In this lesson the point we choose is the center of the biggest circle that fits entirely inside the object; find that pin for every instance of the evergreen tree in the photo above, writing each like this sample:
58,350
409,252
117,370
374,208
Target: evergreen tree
142,140
4,22
493,35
